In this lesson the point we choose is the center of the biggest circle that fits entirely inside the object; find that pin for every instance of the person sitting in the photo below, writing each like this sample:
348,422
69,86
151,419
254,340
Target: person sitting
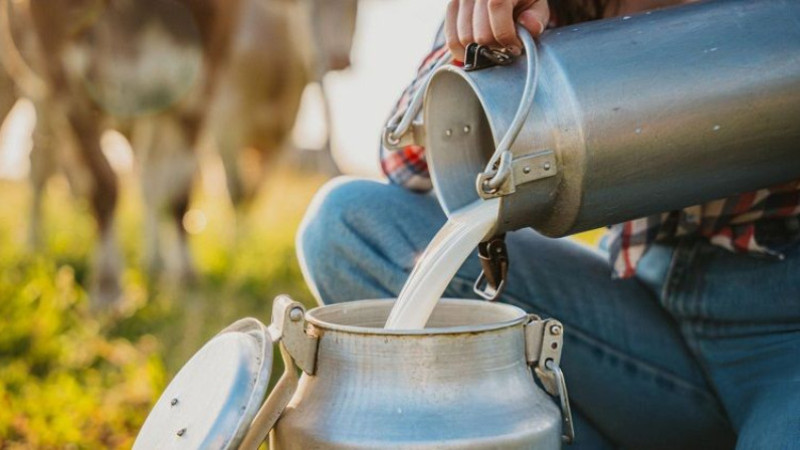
693,343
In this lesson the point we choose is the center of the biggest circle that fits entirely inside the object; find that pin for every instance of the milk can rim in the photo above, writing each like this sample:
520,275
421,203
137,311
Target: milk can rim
522,318
465,77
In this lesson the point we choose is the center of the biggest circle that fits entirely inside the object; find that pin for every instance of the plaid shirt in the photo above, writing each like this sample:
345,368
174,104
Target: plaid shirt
732,223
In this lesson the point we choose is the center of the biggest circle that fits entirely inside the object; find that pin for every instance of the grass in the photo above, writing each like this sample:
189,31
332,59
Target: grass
71,378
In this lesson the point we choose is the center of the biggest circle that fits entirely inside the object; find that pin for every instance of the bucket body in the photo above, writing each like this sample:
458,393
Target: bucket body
638,115
461,383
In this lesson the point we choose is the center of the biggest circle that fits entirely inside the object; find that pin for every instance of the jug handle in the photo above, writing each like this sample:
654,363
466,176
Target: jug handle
491,182
298,351
398,126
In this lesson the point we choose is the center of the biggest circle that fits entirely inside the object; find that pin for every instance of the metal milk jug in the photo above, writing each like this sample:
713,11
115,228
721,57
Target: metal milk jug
621,118
465,382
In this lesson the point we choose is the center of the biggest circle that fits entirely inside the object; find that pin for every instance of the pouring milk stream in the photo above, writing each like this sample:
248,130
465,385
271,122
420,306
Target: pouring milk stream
451,246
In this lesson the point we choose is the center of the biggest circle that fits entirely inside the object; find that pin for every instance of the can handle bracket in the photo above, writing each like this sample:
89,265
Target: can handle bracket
289,327
299,352
543,342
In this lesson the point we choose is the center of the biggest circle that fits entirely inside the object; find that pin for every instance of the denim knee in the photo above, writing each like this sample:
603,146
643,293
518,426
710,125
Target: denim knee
325,224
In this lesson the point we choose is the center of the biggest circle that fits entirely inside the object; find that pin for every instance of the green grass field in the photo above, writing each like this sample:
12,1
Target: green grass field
73,378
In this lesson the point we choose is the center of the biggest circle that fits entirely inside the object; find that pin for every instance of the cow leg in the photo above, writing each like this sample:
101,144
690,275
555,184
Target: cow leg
191,127
143,140
107,260
41,160
229,143
44,163
321,160
167,164
180,206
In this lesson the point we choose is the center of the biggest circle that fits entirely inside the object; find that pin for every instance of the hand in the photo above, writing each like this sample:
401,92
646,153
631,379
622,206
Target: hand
492,23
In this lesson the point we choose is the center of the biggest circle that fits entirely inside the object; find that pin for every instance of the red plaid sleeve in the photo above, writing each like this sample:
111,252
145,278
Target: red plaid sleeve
407,166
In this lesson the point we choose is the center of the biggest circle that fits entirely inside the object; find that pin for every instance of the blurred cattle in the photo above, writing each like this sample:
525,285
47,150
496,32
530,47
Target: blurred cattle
256,105
8,95
151,69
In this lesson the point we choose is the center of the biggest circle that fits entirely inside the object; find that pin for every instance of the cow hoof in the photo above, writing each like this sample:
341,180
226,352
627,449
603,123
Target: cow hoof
106,292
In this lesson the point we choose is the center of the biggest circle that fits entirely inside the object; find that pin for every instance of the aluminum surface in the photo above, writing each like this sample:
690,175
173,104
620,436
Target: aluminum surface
645,114
462,383
214,397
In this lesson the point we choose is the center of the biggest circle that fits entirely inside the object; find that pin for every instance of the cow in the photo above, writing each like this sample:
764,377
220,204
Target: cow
8,95
150,68
256,106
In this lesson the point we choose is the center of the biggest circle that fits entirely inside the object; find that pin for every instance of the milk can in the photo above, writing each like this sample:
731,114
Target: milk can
617,119
465,382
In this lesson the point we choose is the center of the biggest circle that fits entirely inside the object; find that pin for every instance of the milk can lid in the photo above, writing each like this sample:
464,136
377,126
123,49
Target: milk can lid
213,399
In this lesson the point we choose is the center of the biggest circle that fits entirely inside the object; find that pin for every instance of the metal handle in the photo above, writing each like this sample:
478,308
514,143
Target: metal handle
494,264
544,340
400,123
273,407
490,183
299,352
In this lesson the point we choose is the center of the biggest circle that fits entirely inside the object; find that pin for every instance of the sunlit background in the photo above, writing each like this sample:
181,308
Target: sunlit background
391,37
95,323
75,374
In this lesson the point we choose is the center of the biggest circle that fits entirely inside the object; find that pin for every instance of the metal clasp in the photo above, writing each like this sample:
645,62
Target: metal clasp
478,57
493,256
495,182
543,342
299,351
289,327
568,428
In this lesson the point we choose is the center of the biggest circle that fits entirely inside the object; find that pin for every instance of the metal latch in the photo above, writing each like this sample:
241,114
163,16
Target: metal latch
543,342
478,57
494,263
299,351
288,326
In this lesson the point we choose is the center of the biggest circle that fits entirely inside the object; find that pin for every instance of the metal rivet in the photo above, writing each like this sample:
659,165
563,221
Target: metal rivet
526,169
173,402
448,132
546,166
467,129
295,314
555,330
181,432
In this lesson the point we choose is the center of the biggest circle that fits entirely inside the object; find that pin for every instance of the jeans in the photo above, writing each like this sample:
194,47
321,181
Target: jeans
701,350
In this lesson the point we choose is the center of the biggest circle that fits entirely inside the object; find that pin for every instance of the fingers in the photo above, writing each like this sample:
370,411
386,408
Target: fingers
481,27
451,30
535,17
492,23
501,18
464,25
